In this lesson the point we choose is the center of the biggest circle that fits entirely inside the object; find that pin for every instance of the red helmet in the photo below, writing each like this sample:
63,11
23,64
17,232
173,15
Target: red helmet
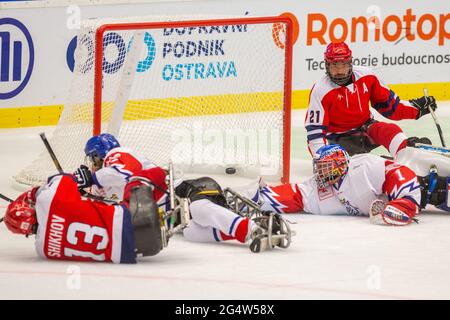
20,218
338,51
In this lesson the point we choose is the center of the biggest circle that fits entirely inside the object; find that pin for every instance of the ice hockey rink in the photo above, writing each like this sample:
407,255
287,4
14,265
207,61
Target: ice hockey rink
331,257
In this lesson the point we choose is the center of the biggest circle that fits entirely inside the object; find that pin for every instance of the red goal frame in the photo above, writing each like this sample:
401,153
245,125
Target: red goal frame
287,100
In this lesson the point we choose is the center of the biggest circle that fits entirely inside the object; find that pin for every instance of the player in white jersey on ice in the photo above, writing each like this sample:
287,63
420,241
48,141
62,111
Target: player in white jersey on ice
112,167
365,185
211,219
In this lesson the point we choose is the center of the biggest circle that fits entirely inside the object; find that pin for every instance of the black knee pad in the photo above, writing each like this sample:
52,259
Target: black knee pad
355,143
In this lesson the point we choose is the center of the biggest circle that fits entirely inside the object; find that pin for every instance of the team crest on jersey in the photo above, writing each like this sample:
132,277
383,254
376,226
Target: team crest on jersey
325,193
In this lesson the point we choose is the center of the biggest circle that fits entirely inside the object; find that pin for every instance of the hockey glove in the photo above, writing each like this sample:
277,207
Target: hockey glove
423,104
399,212
83,177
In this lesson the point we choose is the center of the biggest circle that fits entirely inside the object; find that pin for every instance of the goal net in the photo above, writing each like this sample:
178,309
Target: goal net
206,94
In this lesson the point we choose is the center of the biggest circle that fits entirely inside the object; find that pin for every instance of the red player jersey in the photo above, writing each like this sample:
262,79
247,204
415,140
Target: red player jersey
118,166
337,109
71,228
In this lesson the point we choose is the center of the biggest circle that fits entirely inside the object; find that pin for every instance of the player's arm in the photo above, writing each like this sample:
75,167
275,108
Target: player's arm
108,176
118,167
389,105
402,188
284,198
155,178
316,122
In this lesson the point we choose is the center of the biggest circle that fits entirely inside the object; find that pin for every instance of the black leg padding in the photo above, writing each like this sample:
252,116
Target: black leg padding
146,221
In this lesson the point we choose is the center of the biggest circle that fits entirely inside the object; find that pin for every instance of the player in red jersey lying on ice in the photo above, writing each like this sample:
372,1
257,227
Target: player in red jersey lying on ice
71,227
68,227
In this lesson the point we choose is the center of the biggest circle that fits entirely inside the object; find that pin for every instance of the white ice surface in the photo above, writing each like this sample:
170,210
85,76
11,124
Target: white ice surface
331,257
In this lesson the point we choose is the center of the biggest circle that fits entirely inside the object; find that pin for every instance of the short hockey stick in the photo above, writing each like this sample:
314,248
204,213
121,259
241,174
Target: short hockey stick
50,151
61,171
5,198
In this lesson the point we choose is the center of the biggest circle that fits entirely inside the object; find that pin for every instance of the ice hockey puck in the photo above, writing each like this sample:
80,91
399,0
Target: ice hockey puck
230,170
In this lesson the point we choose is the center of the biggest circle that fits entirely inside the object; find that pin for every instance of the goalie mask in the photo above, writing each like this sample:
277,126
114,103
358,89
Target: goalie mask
329,165
98,146
20,218
338,63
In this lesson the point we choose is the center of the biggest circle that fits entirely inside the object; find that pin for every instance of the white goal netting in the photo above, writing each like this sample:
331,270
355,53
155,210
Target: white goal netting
206,97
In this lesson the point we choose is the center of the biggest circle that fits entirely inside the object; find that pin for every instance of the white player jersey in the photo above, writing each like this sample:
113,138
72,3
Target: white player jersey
361,185
119,165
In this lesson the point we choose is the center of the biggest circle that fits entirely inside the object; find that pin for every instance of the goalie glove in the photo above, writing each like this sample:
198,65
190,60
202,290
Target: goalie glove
399,212
423,104
83,177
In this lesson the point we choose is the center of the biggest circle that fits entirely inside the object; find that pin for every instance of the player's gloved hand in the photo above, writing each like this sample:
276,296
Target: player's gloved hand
398,212
423,104
83,177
